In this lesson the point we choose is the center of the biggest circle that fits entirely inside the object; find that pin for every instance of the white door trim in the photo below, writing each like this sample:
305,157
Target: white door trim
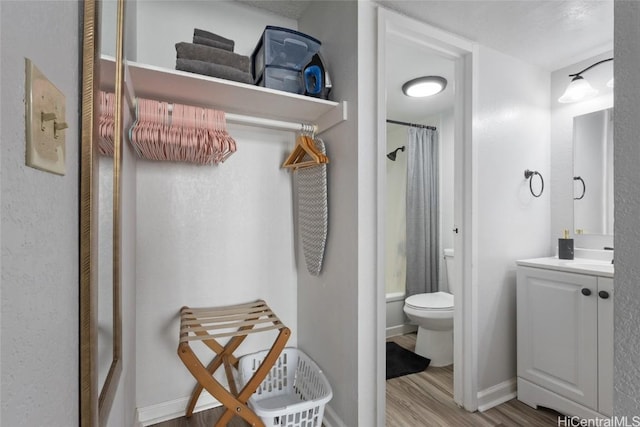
462,51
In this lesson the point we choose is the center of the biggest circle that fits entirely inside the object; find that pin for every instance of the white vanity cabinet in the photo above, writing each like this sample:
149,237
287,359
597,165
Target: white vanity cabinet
565,338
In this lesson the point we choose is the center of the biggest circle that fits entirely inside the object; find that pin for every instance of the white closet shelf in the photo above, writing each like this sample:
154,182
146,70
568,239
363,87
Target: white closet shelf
148,81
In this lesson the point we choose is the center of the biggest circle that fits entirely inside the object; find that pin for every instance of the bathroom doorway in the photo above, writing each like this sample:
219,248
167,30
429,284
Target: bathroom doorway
409,48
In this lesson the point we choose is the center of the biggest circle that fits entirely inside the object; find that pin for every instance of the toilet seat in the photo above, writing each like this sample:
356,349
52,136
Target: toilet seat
434,301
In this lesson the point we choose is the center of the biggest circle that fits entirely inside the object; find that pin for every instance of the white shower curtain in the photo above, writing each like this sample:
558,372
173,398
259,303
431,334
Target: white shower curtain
422,211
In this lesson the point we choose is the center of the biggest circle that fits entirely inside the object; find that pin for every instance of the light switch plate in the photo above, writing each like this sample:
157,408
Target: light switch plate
44,122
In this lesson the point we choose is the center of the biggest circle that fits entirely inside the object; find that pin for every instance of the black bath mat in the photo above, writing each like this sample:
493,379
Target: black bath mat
401,361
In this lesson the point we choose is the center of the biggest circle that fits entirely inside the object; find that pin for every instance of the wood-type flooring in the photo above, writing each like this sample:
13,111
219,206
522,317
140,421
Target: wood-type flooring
424,399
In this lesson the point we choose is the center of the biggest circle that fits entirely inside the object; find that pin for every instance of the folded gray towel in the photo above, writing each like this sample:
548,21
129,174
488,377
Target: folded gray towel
213,70
197,32
213,43
214,55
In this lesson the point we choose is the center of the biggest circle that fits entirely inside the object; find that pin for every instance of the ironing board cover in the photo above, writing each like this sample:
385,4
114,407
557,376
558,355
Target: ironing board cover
313,212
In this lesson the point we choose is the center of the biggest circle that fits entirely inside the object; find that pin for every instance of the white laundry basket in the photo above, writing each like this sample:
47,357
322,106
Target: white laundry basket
293,394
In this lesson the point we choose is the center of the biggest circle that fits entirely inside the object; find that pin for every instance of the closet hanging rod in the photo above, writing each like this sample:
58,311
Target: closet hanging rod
266,123
413,125
271,123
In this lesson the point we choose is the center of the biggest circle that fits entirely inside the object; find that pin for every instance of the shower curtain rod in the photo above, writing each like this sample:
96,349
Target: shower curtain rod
414,125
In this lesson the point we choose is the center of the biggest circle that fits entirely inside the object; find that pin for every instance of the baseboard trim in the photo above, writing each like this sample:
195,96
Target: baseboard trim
172,409
400,330
497,394
331,419
533,395
137,422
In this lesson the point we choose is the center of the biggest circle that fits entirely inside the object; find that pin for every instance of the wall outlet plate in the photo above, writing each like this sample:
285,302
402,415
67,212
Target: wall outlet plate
44,122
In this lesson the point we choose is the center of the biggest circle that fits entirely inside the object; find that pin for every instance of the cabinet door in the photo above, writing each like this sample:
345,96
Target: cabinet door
605,346
557,332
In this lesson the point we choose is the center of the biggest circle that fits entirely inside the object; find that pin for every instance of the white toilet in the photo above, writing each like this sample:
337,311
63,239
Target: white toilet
433,313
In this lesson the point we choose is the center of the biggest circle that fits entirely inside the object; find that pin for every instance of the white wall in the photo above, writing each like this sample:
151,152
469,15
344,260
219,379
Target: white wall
162,24
396,212
627,209
40,286
329,321
208,236
123,411
510,134
561,177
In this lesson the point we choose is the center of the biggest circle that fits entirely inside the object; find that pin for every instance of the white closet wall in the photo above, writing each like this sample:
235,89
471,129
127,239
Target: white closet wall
208,235
335,313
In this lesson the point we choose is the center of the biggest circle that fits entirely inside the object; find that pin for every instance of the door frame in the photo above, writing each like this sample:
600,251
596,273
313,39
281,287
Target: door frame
461,51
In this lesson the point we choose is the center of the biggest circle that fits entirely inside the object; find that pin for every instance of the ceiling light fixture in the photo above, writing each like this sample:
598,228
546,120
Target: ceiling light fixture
579,88
424,86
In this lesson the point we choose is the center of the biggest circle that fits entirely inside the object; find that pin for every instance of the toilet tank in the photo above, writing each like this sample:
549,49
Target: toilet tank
448,264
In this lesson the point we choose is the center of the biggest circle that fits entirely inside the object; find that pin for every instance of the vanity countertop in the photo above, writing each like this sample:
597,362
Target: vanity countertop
588,266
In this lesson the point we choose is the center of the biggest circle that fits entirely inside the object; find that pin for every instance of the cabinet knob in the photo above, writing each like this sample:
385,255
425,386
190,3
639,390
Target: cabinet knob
603,294
586,291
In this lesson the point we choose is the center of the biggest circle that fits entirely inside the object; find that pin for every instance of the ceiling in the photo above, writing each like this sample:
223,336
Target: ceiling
550,34
399,55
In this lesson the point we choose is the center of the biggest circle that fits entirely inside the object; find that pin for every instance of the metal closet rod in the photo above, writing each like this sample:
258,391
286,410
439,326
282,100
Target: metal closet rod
270,123
266,123
414,125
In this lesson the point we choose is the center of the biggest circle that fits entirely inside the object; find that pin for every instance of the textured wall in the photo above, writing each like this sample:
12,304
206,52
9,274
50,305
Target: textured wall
124,404
627,209
396,213
510,134
39,225
208,236
177,20
328,305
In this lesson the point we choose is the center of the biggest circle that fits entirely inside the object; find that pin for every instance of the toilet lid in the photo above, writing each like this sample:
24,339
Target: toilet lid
430,301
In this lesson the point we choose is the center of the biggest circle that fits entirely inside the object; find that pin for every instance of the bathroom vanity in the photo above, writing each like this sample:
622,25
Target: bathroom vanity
565,335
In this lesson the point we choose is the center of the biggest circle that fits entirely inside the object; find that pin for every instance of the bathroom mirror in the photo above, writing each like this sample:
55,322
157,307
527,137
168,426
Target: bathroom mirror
100,319
593,173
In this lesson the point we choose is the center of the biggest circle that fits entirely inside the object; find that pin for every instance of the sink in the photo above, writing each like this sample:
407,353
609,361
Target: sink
597,267
595,255
587,264
592,265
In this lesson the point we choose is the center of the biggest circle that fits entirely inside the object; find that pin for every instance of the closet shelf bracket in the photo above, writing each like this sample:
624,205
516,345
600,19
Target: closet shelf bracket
333,117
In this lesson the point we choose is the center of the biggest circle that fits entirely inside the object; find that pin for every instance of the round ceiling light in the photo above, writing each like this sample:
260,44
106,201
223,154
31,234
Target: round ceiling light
424,86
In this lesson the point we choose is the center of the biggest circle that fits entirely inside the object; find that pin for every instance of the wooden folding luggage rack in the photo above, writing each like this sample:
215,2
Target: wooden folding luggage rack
236,322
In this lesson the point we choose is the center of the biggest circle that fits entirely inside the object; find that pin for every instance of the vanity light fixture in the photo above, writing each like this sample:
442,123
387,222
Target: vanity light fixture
424,86
579,88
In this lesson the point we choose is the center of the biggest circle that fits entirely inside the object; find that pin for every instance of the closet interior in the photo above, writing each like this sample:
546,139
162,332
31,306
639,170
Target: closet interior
230,234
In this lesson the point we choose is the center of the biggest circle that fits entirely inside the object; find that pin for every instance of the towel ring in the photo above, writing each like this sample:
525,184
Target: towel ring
584,187
529,175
